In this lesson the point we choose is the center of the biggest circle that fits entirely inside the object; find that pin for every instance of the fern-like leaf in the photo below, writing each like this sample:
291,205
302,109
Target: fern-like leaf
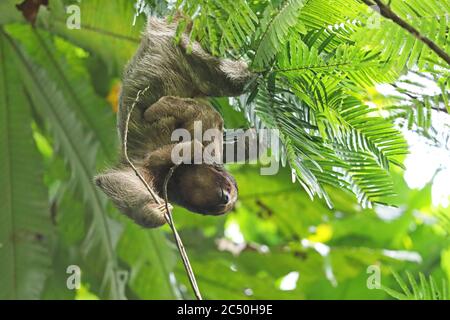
276,24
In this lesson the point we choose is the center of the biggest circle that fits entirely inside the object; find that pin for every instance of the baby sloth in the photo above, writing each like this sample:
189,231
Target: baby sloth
174,80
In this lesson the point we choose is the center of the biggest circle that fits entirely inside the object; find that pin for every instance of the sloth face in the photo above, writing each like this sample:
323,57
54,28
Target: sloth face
205,189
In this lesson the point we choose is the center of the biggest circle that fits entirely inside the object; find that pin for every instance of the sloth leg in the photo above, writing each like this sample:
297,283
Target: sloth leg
131,197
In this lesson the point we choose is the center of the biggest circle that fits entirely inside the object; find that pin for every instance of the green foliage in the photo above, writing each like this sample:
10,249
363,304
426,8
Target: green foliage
111,34
319,63
9,13
422,290
79,152
25,231
274,25
315,72
62,63
221,25
399,48
151,261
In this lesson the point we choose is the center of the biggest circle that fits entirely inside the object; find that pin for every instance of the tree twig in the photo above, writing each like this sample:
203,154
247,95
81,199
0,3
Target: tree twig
180,246
387,12
416,98
168,215
125,146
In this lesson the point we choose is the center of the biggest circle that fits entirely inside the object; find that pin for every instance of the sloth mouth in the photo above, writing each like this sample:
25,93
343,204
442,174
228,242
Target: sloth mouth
217,209
213,211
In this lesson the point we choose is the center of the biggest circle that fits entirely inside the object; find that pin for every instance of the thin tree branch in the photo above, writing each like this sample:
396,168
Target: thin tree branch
125,146
168,215
387,12
180,246
416,98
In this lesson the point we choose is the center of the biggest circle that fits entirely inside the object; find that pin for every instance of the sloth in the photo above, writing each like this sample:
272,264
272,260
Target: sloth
174,80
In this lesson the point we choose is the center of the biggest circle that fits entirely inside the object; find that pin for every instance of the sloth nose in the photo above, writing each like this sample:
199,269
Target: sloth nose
225,197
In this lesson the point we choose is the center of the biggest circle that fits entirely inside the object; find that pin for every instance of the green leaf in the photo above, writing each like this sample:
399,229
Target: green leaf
9,13
422,290
222,26
79,151
110,34
397,46
277,24
65,68
152,259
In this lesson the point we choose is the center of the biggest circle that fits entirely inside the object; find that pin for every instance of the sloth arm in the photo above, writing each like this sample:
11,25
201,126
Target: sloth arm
170,113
